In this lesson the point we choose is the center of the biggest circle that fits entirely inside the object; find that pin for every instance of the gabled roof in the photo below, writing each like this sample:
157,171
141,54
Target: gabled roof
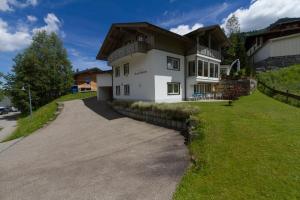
115,28
216,29
91,70
114,33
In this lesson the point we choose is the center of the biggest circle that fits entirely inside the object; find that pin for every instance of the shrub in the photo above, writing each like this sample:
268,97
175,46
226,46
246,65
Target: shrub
171,111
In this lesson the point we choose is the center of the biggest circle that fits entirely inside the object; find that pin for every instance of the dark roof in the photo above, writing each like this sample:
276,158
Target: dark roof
284,21
91,70
105,48
268,29
213,28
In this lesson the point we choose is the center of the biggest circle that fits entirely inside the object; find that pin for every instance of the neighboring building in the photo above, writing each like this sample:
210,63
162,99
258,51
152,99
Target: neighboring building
153,64
276,46
104,83
86,80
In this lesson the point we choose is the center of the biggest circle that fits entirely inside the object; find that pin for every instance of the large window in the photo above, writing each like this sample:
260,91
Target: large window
126,90
117,71
118,90
173,63
205,69
126,69
216,70
200,68
211,70
173,88
202,88
192,68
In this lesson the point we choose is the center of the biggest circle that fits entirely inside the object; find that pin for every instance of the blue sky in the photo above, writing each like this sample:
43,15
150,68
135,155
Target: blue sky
83,24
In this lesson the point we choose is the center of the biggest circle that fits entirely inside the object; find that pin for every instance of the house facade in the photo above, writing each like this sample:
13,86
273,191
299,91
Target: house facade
86,80
150,63
275,46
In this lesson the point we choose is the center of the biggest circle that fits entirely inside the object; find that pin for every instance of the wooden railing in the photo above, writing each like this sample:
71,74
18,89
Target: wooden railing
135,47
288,97
203,50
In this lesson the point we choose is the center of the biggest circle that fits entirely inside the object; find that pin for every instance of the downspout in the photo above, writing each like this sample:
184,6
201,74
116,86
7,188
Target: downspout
185,74
112,82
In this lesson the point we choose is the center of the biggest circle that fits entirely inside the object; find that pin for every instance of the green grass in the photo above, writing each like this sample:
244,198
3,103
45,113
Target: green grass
250,150
283,79
26,125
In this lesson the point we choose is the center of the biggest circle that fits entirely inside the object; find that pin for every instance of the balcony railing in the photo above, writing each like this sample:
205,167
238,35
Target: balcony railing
203,50
135,47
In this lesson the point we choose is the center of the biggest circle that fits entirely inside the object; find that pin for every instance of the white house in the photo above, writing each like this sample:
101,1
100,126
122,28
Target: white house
275,46
150,63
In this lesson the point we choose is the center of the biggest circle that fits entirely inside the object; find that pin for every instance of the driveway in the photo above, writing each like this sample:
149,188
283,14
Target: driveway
89,152
8,122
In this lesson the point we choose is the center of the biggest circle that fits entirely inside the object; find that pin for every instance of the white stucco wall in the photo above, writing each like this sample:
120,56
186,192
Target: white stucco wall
148,77
283,46
163,76
139,78
104,80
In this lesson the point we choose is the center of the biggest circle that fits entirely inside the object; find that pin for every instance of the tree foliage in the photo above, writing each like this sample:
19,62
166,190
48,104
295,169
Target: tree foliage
237,48
43,67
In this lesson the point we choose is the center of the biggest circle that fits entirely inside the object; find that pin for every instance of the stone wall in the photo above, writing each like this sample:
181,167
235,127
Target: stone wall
277,62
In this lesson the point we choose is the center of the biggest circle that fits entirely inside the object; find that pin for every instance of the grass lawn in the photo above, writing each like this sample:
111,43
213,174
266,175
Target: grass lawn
250,150
27,125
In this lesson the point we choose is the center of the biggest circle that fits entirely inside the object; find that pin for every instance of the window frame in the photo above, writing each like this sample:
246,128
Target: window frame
211,73
202,67
117,71
172,58
205,62
126,72
194,71
125,90
118,90
173,83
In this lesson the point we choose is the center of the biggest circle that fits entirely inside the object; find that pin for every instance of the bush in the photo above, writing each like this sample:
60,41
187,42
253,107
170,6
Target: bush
179,112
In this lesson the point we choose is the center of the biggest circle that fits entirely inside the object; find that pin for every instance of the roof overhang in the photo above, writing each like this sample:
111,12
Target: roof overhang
116,30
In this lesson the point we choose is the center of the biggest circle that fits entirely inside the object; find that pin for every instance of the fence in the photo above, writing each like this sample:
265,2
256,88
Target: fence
279,95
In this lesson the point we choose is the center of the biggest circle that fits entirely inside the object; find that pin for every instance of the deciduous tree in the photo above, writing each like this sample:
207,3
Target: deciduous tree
44,67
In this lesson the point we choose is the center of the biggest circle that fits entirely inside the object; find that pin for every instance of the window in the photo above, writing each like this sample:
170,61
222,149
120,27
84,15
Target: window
173,88
202,88
118,90
200,68
126,69
117,71
126,90
211,69
192,68
173,63
205,69
216,70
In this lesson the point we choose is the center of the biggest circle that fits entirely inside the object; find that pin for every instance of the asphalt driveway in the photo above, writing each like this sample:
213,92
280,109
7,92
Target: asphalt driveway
88,153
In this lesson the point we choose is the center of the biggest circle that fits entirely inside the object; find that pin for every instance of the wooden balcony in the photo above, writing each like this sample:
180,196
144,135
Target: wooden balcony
203,50
135,47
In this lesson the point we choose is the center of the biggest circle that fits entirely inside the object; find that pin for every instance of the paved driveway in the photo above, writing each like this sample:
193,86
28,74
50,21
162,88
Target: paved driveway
89,152
8,122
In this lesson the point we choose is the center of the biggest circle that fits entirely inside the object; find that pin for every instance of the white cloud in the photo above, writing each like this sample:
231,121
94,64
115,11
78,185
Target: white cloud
12,41
174,18
262,13
22,36
53,24
9,5
184,29
31,18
